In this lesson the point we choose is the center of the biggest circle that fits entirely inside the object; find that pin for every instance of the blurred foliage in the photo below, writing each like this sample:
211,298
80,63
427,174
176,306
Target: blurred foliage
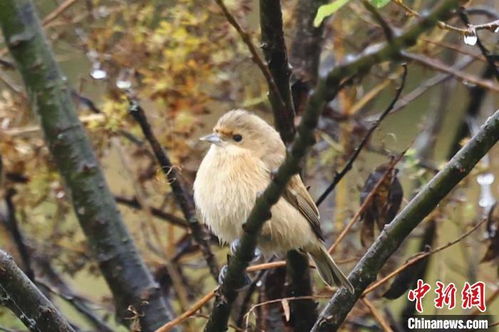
187,66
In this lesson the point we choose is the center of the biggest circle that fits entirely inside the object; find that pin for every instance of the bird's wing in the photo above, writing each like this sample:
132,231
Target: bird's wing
297,195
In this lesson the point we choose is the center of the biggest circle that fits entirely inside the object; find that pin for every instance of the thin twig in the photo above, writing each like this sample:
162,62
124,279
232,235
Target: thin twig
441,24
58,11
246,38
387,30
419,257
133,203
190,312
366,202
425,86
454,48
291,298
353,157
370,95
485,52
491,26
377,315
440,66
274,265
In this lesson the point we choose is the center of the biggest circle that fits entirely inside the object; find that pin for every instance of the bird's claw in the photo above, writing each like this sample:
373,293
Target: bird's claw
222,274
245,279
235,245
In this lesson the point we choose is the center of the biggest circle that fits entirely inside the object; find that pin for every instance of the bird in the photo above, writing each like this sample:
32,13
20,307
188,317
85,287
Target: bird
244,154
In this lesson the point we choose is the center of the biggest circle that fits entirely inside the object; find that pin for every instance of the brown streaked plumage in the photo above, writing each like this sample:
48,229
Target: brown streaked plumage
245,151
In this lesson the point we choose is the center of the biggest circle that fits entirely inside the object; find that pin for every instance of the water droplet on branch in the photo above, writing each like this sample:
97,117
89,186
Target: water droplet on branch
470,38
98,74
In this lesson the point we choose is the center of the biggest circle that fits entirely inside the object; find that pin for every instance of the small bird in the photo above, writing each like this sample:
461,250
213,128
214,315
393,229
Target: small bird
245,151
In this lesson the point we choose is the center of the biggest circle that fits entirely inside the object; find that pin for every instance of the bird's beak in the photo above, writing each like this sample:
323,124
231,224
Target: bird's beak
212,138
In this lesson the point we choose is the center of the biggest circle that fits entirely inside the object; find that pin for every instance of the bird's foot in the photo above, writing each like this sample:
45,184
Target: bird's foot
245,279
235,245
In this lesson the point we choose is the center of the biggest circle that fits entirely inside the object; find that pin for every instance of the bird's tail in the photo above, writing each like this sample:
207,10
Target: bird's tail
329,272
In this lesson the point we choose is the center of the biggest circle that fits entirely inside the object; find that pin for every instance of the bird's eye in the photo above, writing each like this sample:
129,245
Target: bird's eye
237,138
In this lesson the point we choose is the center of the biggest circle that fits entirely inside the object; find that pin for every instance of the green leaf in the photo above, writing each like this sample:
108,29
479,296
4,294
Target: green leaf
380,3
327,10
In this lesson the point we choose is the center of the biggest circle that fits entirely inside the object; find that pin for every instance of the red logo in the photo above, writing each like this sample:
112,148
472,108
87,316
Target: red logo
446,295
471,295
418,294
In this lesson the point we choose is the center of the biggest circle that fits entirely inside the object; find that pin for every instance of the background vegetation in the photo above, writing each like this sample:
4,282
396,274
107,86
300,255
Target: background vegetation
183,64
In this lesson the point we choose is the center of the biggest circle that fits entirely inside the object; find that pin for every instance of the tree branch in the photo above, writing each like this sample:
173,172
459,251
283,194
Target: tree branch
307,40
49,279
472,111
133,203
16,233
355,154
21,296
246,38
303,312
440,66
389,240
183,199
274,50
325,90
485,52
71,150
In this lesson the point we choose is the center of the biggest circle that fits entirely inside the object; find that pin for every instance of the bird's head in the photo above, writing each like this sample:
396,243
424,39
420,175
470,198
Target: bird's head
240,129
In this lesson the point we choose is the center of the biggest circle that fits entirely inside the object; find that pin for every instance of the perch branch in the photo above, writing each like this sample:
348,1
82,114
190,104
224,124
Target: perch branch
274,50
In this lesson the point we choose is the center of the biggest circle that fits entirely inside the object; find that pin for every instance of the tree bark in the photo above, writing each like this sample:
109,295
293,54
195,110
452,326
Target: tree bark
126,274
274,49
306,45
